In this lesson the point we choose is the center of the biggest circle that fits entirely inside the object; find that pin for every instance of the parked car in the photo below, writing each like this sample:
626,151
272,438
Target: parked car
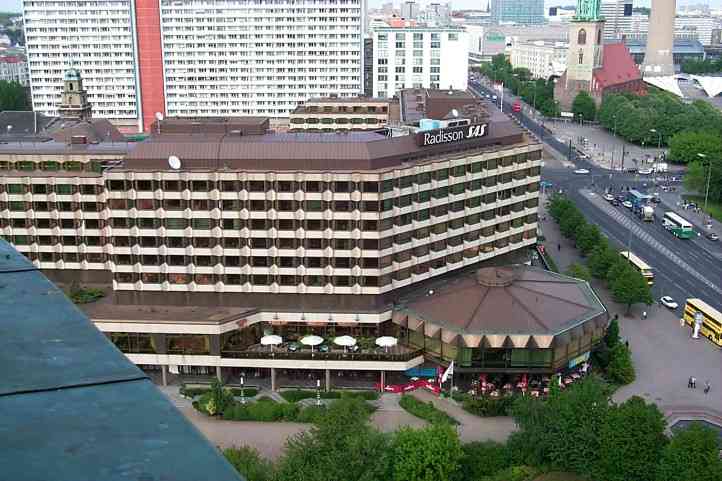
712,236
668,302
581,171
608,197
627,204
615,202
645,171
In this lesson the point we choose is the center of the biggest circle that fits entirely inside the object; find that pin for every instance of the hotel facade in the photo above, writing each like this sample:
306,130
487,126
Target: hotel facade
206,242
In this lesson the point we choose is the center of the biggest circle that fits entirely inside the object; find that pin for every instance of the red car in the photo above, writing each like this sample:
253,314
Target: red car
516,107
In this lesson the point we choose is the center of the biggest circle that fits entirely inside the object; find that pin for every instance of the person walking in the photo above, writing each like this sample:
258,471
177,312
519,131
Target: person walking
559,247
694,382
644,315
707,387
689,383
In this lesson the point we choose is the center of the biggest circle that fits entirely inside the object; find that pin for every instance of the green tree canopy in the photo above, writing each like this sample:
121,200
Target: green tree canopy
703,172
602,258
611,337
13,96
588,237
583,106
620,369
684,147
482,458
579,271
632,441
628,286
429,454
692,455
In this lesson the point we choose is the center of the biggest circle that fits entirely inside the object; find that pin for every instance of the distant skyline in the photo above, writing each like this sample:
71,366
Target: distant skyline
16,5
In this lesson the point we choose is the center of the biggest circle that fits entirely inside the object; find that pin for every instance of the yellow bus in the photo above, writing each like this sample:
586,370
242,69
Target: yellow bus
711,327
640,265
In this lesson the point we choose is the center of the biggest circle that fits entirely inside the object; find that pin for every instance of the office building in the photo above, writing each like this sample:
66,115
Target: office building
682,51
525,12
183,58
332,114
14,68
410,10
618,18
543,58
215,232
419,57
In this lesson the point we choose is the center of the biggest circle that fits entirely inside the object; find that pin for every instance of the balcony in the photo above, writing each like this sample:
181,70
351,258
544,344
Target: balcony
396,353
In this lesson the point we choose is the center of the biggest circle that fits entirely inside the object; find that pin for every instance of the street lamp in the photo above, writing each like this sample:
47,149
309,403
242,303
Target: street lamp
659,143
709,176
243,397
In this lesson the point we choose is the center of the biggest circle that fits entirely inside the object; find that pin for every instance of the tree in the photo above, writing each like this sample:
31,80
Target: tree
547,427
429,454
220,398
482,458
579,271
692,455
249,463
631,441
611,337
341,446
588,237
684,147
620,369
697,177
583,106
628,286
602,258
13,96
571,221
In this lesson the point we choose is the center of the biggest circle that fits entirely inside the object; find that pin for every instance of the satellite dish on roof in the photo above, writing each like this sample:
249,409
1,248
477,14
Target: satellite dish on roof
158,116
455,112
174,162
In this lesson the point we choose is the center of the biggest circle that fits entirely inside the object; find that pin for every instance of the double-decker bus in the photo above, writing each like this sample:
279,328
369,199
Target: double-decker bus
711,326
640,265
677,225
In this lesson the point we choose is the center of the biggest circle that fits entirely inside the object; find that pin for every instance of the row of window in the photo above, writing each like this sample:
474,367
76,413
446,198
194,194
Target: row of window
67,166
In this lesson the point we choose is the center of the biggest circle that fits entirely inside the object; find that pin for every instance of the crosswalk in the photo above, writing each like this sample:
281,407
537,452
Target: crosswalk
642,235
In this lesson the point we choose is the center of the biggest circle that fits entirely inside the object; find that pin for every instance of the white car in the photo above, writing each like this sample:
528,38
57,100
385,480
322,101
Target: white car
644,171
608,197
627,204
668,302
581,171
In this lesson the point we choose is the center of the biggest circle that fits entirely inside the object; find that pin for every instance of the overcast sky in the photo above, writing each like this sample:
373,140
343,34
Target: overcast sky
14,5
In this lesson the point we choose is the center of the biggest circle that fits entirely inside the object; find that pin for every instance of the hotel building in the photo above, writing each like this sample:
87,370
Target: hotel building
212,234
357,113
192,58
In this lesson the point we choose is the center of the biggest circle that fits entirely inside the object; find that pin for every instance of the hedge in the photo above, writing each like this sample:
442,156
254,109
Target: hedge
296,395
484,406
192,392
425,411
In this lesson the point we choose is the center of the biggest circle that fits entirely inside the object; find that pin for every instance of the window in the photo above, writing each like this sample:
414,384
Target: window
582,37
453,37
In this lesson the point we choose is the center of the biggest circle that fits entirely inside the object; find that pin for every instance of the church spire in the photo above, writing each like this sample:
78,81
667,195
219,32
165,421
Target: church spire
588,11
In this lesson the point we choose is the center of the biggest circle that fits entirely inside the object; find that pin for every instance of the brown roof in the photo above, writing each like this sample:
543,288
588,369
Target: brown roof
516,300
210,125
351,151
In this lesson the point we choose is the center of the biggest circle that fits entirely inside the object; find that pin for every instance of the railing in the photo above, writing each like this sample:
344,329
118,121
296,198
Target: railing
324,356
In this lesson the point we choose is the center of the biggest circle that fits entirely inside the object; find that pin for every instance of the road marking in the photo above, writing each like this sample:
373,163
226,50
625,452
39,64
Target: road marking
649,239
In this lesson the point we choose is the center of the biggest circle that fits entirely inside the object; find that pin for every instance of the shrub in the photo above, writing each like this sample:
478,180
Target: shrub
192,392
513,473
480,459
85,295
426,411
249,463
620,369
296,395
484,406
247,391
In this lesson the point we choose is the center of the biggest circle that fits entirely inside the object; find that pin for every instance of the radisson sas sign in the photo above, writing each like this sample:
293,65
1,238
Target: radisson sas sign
454,134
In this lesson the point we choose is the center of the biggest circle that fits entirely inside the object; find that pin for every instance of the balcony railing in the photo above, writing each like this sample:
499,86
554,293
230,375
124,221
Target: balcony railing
324,356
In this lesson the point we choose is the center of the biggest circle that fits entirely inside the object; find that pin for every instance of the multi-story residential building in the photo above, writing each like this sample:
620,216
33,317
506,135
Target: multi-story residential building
331,114
419,57
410,10
184,58
526,12
618,18
543,58
214,233
14,69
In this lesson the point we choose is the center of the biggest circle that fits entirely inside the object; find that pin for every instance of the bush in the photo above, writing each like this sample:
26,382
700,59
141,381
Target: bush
296,395
249,463
85,295
484,406
192,392
480,459
513,473
247,391
425,411
620,369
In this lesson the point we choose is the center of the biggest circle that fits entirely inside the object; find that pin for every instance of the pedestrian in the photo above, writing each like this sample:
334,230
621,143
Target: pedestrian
689,383
681,322
626,343
559,247
707,387
644,315
694,382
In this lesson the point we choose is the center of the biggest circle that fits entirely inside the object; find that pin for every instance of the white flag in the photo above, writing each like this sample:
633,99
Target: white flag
449,372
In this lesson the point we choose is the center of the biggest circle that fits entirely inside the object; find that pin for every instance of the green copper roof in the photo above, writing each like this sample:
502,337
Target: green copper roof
588,11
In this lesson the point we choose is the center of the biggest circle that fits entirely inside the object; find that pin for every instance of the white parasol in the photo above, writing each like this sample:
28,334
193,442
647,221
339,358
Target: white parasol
386,342
345,341
312,341
271,340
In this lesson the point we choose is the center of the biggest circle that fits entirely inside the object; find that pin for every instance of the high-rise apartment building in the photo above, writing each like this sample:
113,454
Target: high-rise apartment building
419,57
618,16
190,58
527,12
410,10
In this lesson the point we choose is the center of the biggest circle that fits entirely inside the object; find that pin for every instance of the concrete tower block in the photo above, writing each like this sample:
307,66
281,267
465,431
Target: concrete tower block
658,60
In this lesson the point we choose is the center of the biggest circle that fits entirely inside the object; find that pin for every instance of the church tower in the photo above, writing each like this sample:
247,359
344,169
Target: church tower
74,103
585,45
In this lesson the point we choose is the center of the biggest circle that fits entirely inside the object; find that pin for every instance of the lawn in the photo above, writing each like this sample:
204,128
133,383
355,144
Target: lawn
714,208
